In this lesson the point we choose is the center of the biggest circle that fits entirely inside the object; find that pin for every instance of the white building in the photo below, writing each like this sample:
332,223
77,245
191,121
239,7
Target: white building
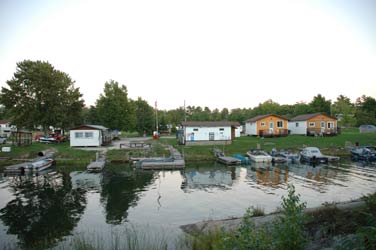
89,136
204,132
6,128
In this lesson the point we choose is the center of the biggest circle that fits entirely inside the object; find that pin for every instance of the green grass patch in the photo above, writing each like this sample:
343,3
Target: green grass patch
334,145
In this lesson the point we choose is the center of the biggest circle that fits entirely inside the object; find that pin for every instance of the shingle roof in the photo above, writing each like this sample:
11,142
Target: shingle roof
259,117
209,124
307,117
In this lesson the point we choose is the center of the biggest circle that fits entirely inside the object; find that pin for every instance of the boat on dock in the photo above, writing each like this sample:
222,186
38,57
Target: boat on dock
36,165
283,156
364,153
258,155
313,155
98,164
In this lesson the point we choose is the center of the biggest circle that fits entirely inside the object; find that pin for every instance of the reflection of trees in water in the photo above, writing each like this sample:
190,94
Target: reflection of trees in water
45,209
121,190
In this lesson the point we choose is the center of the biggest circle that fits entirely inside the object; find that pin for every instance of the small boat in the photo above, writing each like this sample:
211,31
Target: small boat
313,155
364,153
39,165
289,156
259,155
244,160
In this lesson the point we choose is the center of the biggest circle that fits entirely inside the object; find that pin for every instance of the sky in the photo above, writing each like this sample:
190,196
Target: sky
208,53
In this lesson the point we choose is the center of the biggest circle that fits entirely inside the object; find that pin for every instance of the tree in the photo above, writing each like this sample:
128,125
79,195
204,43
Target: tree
38,94
365,110
145,116
320,105
114,110
344,110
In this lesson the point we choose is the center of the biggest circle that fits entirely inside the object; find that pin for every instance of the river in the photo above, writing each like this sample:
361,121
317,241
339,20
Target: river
56,206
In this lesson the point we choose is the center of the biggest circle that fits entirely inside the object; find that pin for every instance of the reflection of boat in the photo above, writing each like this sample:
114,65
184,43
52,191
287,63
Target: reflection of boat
364,153
259,156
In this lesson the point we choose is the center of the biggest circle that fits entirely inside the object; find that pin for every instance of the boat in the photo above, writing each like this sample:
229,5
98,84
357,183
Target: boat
39,165
313,155
364,153
244,159
34,166
289,157
258,155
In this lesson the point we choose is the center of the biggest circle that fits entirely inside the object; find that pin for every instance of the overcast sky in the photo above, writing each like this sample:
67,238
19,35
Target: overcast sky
233,54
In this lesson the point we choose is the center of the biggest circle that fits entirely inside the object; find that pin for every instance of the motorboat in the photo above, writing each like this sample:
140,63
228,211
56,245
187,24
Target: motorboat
259,155
313,155
39,165
286,156
364,153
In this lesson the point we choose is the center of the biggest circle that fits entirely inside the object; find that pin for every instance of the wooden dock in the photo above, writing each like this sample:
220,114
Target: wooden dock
98,164
175,161
228,160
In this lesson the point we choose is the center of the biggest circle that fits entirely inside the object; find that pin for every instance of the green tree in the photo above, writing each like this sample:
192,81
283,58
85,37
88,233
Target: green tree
38,94
301,108
267,107
320,105
114,109
145,117
344,110
365,110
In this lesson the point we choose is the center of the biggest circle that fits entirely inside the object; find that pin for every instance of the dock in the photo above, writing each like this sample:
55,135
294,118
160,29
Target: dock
226,160
98,164
175,161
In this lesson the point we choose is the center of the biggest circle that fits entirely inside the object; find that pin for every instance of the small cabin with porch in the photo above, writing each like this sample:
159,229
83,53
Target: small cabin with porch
207,132
269,125
90,136
313,124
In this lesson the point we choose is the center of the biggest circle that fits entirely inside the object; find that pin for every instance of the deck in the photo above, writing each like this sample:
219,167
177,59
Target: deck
175,161
228,160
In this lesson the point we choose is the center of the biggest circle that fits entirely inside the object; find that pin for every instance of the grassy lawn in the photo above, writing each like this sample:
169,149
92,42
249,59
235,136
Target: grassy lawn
64,153
331,145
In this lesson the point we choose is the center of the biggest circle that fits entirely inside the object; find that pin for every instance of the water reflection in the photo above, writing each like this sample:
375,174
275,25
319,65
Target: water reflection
206,178
121,190
45,208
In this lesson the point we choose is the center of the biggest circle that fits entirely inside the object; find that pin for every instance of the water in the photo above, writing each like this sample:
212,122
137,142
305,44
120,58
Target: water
53,207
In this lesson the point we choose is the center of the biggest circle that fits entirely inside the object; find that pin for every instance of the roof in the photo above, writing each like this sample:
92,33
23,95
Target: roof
259,117
98,127
4,121
210,124
306,117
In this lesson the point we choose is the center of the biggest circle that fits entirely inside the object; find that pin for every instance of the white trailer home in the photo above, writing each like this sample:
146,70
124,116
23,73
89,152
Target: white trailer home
89,136
205,132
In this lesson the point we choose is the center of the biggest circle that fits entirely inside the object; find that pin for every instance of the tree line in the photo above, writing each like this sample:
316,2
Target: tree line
40,95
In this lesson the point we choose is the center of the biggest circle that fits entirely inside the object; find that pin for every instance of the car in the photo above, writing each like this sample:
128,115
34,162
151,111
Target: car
3,140
367,129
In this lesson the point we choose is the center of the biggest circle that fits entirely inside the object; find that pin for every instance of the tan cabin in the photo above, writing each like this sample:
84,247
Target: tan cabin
313,124
269,125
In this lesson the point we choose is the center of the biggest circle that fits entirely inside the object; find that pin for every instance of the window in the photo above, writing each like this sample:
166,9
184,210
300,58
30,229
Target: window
262,124
195,129
297,124
78,134
280,124
89,135
221,129
312,124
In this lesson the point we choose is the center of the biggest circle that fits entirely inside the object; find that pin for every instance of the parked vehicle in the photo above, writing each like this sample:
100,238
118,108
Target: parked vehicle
367,129
3,140
364,153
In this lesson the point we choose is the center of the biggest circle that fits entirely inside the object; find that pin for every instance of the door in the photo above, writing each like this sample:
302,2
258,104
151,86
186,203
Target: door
322,128
271,128
211,136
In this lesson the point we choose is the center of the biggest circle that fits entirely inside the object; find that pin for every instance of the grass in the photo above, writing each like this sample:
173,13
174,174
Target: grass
64,154
331,145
